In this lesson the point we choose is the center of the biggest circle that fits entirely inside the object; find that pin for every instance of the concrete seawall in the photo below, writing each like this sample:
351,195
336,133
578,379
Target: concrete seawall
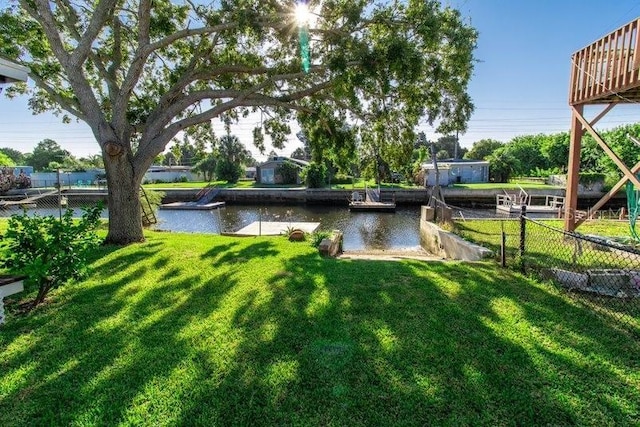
454,196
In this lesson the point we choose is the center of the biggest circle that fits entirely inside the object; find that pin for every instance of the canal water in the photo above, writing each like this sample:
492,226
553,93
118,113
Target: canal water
362,230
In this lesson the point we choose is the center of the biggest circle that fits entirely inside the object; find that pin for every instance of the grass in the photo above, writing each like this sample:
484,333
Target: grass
487,232
211,330
358,183
505,185
546,248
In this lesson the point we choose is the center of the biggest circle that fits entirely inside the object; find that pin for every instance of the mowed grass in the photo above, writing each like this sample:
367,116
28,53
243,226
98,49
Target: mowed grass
212,330
488,232
506,186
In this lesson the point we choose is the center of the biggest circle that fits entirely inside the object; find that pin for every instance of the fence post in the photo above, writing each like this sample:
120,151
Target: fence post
523,236
503,244
59,187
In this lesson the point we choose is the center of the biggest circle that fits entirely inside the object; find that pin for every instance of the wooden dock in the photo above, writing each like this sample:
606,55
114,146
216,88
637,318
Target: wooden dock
192,206
513,203
372,207
371,202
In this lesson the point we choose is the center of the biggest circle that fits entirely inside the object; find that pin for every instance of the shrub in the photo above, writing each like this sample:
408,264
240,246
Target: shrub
48,250
229,171
314,175
288,172
590,178
341,178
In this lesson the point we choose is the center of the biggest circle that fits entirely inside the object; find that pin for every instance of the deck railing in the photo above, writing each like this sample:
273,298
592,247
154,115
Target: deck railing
609,69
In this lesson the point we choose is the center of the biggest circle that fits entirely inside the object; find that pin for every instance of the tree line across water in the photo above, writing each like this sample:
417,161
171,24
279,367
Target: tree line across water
226,157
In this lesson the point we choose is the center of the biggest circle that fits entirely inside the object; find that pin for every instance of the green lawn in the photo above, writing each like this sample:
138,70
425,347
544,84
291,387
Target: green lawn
210,330
505,185
487,232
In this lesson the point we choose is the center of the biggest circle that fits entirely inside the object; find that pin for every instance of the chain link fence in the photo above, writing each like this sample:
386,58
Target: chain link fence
597,272
50,201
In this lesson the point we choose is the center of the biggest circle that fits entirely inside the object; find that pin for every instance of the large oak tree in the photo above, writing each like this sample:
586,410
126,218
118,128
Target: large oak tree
140,72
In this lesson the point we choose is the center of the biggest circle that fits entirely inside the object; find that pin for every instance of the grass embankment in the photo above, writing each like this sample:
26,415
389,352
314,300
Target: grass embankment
211,330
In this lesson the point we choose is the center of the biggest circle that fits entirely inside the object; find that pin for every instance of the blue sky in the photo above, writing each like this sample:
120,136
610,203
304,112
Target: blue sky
520,84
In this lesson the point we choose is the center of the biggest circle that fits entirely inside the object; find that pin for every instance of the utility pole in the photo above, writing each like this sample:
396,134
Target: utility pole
455,148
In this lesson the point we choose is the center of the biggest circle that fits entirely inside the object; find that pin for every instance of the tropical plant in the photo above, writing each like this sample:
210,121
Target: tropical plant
15,155
45,152
502,165
207,167
318,236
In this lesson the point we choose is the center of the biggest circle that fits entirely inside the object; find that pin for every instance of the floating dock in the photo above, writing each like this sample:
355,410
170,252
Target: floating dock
530,209
192,206
274,228
371,202
372,207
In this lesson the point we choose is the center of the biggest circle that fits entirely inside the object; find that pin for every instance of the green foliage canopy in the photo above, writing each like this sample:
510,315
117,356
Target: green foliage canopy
482,149
140,72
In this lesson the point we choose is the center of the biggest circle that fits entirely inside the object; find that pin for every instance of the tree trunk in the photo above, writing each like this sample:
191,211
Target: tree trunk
123,183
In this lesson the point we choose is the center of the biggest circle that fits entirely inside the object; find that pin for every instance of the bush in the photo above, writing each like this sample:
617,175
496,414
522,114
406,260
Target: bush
590,178
341,178
288,172
314,175
228,171
48,250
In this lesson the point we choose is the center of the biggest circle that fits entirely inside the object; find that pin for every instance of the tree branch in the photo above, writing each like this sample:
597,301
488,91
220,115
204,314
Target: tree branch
43,15
98,19
64,102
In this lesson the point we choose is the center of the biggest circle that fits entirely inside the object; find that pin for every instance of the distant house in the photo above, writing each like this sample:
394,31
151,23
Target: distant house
267,172
170,174
457,172
250,172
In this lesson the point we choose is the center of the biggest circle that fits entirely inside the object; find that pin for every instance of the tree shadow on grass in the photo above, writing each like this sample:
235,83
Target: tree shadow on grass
103,373
379,343
232,254
316,341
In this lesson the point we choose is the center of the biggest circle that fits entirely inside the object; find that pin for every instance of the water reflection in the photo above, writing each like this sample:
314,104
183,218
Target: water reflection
362,230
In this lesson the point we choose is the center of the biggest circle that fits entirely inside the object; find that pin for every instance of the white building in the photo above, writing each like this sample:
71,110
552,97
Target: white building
457,172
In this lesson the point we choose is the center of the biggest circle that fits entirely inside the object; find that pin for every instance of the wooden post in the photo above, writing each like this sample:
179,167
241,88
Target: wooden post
573,169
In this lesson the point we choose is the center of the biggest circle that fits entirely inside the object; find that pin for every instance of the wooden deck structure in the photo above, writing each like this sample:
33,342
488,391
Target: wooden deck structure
607,73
